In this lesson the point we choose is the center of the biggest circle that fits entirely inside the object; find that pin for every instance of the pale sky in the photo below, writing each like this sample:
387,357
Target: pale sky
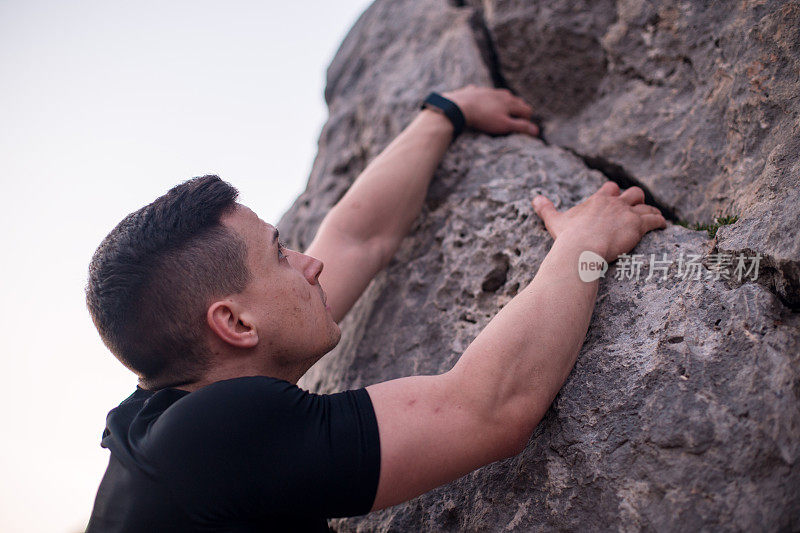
104,106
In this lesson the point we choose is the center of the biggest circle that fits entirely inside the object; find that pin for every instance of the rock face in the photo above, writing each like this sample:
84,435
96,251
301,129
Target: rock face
683,410
693,101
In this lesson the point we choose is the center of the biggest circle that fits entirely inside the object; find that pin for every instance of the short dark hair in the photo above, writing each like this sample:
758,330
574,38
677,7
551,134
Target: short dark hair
153,277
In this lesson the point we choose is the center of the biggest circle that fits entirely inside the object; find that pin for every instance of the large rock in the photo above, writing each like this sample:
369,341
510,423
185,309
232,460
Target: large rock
683,411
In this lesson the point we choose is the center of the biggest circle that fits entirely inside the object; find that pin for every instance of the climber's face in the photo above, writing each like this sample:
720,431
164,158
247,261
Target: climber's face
284,300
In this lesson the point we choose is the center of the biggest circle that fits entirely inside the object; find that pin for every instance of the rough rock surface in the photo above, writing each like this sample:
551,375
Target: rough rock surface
691,100
683,410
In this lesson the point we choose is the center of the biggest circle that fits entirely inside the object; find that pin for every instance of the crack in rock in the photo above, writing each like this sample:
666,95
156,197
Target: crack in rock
485,43
611,170
624,179
780,277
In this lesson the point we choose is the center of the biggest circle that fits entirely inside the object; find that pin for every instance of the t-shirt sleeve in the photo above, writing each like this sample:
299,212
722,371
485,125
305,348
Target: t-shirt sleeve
260,446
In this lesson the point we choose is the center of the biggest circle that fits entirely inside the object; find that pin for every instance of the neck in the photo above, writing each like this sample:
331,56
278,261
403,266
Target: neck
222,372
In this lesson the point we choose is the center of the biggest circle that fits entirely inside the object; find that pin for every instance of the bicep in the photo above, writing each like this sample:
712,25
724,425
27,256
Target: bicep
349,266
429,436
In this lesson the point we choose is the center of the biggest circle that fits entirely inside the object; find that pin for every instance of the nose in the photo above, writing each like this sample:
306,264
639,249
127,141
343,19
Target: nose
311,267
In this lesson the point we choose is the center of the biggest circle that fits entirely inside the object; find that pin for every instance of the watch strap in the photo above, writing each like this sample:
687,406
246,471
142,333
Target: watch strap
450,110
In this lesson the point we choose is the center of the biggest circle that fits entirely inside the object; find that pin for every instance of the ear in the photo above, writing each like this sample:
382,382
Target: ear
231,324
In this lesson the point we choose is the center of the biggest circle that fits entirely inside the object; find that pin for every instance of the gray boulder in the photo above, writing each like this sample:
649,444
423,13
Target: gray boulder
683,410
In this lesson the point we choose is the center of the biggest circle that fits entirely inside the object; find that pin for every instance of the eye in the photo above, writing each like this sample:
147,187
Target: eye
281,246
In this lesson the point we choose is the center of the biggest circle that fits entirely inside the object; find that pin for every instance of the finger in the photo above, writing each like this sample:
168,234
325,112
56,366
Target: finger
609,188
652,221
633,195
519,108
544,208
644,209
523,126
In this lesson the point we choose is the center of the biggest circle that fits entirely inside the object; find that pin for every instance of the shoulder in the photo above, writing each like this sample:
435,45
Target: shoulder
256,442
240,407
217,434
227,404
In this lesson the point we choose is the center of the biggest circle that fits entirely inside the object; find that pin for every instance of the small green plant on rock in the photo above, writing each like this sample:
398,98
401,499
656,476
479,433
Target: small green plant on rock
712,227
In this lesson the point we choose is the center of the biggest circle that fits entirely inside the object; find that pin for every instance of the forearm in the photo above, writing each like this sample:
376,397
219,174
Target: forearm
517,364
387,197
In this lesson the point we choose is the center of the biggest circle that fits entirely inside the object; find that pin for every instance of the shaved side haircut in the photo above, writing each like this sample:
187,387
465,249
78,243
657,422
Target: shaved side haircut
153,277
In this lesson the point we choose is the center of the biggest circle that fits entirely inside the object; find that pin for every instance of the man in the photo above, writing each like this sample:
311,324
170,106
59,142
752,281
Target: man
198,296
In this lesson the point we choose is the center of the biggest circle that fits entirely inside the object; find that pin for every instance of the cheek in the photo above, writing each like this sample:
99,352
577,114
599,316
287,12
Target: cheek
302,294
298,298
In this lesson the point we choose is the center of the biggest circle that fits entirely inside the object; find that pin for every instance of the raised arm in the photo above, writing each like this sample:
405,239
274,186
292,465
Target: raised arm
434,429
361,233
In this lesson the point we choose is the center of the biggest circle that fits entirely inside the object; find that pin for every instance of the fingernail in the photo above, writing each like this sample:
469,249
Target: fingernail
534,130
538,201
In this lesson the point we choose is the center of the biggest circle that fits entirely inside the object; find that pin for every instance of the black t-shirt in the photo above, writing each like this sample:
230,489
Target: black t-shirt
244,454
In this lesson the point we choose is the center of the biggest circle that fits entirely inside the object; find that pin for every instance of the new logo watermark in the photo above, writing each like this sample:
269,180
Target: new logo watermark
690,267
591,266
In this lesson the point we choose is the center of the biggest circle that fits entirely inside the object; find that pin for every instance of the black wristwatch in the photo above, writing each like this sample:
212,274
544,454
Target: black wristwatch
450,110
